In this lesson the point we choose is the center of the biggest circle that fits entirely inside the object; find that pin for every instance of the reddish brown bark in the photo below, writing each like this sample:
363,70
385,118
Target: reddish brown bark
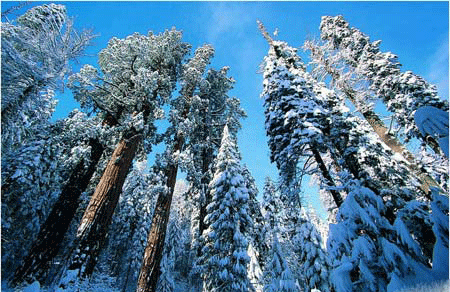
52,232
97,217
150,269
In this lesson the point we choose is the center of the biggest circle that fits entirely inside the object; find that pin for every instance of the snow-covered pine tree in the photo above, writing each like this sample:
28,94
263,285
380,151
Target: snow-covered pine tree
270,205
440,217
358,152
191,75
255,272
368,251
362,157
313,259
301,245
368,161
224,256
166,281
208,113
211,114
47,172
36,49
182,212
288,102
376,178
277,274
402,92
177,239
385,181
319,223
136,79
258,248
325,60
365,161
276,216
256,235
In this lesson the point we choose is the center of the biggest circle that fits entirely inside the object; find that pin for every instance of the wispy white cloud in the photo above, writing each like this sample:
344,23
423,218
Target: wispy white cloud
438,68
227,18
231,28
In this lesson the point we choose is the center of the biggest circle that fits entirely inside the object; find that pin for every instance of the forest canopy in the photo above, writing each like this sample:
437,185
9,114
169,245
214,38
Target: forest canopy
144,186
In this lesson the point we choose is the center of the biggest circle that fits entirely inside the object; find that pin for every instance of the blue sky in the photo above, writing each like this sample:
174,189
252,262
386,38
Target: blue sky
416,31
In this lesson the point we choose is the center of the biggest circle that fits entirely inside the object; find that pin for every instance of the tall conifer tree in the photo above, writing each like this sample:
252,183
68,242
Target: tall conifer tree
224,256
293,116
191,76
136,79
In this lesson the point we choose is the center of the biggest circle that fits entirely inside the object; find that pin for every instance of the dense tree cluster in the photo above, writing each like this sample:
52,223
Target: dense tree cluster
374,242
85,207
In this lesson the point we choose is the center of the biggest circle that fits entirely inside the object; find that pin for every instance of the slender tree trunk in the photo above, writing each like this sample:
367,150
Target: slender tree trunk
94,225
128,272
394,144
207,159
52,232
326,174
380,129
150,269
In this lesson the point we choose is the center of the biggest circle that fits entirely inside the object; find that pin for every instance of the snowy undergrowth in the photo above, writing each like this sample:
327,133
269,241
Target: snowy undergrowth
430,287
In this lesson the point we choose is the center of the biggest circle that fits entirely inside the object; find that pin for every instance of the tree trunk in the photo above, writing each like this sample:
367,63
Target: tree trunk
379,128
52,232
94,225
207,159
326,174
426,181
425,238
150,269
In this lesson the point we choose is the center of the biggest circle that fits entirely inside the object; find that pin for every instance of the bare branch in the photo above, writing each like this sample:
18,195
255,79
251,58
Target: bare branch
14,8
264,32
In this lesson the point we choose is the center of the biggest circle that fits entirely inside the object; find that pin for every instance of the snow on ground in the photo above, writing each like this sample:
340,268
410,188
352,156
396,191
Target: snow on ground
34,287
433,287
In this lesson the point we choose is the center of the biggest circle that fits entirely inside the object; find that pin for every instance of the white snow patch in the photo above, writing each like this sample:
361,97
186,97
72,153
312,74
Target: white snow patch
433,287
434,122
33,287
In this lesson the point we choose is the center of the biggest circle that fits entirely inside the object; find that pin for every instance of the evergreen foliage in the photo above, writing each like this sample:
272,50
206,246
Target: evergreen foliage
36,49
131,228
307,244
277,273
361,158
33,176
256,234
271,207
224,256
402,92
